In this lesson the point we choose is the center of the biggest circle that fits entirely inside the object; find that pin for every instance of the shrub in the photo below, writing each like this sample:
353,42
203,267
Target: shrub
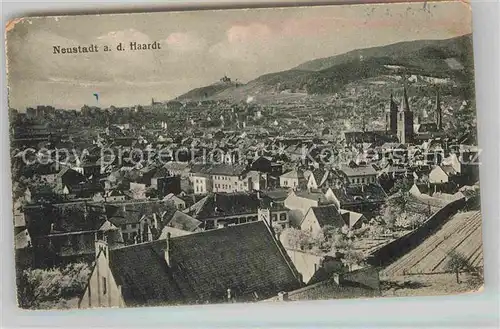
49,288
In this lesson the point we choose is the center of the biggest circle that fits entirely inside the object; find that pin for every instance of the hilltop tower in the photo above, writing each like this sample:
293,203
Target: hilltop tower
405,120
439,114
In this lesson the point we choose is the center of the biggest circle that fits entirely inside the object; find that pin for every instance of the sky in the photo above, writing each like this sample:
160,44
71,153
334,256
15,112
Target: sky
200,47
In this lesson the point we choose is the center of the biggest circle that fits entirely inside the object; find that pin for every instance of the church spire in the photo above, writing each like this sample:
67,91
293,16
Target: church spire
405,105
439,115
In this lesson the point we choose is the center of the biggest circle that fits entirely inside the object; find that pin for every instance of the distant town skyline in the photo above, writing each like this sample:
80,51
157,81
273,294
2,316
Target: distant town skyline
199,47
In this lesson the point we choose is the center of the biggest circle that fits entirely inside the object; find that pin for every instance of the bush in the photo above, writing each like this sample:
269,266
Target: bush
50,288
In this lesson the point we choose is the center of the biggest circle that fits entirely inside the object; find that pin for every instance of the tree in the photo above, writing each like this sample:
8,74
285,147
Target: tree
353,257
49,288
295,239
401,186
457,263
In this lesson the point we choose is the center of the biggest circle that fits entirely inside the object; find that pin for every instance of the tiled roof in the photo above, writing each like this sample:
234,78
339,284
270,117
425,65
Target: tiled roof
327,215
315,196
355,284
359,171
277,194
226,204
244,258
319,175
184,222
359,194
218,169
295,174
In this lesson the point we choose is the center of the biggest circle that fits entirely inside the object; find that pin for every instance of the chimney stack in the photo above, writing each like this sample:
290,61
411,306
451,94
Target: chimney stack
167,249
283,296
336,278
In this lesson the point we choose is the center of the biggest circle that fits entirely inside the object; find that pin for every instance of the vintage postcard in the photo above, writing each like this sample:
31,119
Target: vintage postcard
244,155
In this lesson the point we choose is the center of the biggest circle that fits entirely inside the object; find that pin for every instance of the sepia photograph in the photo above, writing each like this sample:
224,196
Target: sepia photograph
244,155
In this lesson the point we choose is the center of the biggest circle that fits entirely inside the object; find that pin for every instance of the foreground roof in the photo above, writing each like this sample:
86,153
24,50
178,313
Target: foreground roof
245,258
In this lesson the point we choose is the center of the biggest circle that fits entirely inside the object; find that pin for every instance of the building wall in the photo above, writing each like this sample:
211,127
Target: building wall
362,179
289,182
437,175
311,182
310,224
229,184
294,202
307,264
102,290
201,184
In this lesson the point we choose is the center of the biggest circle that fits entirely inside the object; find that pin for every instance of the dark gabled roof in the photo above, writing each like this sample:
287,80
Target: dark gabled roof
183,222
129,212
143,275
328,215
277,195
318,175
329,289
129,217
245,258
358,194
226,204
226,169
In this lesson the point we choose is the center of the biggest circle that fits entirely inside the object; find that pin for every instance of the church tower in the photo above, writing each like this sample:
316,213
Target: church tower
439,114
392,117
405,120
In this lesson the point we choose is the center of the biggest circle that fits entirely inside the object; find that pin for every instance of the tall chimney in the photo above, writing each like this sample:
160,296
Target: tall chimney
167,249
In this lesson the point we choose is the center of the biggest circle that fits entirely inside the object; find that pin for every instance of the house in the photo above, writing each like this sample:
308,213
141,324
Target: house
129,223
364,199
442,174
359,174
200,179
300,202
167,185
257,181
138,190
314,267
353,219
110,196
221,209
317,179
266,165
179,203
293,179
251,265
229,178
361,283
68,177
177,168
317,218
180,224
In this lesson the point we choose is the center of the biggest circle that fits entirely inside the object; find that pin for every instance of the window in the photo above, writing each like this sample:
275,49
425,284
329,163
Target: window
104,287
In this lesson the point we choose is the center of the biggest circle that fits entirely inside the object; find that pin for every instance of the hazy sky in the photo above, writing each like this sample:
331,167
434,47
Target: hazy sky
200,47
